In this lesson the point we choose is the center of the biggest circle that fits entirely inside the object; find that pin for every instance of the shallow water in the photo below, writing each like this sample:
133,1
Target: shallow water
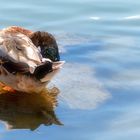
99,84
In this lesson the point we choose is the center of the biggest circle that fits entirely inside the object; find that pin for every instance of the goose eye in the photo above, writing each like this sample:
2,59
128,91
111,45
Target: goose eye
18,48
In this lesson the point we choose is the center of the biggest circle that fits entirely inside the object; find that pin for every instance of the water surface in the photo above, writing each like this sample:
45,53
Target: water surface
100,83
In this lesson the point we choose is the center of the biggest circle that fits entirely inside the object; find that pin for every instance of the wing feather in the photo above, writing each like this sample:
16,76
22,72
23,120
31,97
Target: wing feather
11,65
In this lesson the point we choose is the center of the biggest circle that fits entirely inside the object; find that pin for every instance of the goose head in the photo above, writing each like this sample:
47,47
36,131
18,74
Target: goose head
47,44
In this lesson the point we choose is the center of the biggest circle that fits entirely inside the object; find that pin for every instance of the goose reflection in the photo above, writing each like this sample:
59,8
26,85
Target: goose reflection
28,110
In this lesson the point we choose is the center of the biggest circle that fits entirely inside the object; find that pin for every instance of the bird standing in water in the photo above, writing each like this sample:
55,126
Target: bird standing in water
28,59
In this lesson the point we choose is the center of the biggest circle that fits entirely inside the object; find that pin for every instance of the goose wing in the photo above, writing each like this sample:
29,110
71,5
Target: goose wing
11,65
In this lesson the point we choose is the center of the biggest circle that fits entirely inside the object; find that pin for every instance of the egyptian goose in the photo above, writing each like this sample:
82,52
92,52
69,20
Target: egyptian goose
28,59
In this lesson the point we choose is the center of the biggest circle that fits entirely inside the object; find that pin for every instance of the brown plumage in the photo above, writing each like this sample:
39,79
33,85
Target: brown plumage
16,29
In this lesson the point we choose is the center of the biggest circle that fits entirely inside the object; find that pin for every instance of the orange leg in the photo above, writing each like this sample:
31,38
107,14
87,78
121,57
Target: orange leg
6,88
9,89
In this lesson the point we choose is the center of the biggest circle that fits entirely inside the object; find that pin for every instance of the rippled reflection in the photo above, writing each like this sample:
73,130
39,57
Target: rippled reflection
80,89
28,110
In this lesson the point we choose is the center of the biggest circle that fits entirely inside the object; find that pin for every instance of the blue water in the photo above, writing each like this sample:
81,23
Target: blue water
99,85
